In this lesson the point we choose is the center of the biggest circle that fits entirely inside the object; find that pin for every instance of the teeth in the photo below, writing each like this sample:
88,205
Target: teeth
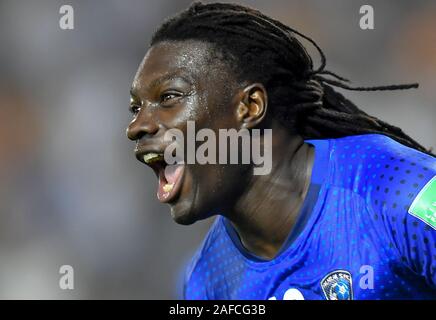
168,187
152,157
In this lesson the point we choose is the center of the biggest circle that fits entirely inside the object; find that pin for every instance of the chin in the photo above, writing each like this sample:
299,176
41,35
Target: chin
186,213
182,213
181,218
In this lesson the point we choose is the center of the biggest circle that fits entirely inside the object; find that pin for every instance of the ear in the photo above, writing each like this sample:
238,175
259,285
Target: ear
252,106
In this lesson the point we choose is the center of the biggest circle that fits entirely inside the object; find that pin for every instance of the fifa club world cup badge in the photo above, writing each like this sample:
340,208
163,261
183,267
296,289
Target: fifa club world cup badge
337,285
424,205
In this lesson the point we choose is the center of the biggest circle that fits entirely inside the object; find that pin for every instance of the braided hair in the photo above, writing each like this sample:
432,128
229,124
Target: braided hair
262,49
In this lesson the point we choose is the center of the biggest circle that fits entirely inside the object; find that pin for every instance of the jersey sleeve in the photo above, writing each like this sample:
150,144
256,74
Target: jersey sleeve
403,194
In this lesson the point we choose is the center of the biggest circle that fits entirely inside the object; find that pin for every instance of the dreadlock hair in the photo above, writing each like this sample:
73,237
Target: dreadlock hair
264,50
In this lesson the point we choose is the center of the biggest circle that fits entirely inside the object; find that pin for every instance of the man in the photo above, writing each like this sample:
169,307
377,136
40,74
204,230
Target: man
348,209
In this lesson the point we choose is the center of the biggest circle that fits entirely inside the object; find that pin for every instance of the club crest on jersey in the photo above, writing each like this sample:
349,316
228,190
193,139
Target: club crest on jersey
337,285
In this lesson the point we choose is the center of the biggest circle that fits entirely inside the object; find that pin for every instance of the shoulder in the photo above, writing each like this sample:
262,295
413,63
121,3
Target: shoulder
394,174
385,174
381,166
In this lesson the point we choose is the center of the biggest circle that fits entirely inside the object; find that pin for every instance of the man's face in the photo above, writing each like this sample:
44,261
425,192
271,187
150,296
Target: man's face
178,82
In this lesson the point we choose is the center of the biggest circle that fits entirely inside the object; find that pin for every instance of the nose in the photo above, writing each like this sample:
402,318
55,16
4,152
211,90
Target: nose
142,125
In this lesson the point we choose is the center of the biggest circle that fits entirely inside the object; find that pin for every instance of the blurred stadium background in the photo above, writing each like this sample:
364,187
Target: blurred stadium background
71,191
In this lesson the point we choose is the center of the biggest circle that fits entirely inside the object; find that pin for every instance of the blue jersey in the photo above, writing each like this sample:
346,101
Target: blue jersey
366,230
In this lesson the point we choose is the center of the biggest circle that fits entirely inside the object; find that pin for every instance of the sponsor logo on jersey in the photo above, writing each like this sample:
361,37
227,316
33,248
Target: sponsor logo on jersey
337,285
424,205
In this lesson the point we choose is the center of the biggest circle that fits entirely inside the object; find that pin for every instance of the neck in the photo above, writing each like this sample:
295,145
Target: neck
266,213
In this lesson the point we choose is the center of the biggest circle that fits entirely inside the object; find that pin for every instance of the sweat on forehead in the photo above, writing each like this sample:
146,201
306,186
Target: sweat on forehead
189,59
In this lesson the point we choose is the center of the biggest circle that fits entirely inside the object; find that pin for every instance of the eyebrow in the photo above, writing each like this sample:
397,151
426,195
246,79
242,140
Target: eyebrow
158,81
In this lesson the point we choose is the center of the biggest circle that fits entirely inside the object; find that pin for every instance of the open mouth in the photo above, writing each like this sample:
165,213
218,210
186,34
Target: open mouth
170,176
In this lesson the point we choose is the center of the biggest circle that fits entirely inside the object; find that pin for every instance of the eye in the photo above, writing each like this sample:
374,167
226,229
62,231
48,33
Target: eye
168,96
135,105
134,109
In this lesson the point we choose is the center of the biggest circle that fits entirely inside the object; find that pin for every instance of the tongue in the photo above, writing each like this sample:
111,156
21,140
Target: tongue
172,172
